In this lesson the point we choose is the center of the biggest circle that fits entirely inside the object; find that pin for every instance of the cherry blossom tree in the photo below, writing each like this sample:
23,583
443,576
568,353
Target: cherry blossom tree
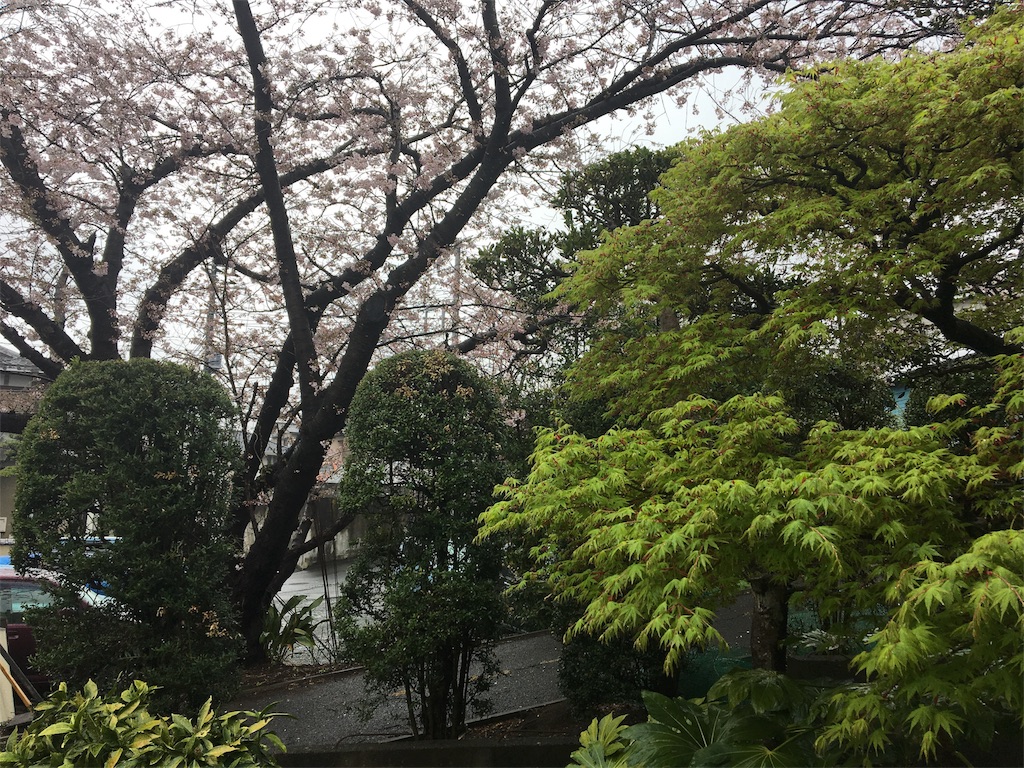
277,186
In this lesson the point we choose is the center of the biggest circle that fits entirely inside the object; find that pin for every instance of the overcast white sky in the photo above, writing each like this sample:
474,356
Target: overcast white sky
718,101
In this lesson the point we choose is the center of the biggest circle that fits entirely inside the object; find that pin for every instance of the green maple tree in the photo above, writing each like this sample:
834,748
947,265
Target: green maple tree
868,231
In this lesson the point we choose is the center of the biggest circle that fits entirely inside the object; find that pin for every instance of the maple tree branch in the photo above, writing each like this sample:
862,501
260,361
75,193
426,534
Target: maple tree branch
1012,235
765,305
941,312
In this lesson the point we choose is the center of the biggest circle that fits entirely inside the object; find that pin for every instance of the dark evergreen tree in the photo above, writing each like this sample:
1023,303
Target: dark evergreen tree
124,486
422,605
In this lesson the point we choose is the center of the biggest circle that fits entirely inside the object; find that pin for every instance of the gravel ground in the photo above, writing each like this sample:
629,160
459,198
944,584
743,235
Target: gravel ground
325,709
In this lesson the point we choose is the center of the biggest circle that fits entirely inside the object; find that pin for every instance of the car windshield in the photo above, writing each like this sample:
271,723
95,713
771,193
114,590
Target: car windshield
17,596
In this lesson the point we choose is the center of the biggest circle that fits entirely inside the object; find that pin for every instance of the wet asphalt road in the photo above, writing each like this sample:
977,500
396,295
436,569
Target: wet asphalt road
326,710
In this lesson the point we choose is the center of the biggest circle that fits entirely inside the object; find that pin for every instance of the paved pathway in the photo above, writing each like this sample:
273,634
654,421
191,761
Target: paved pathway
326,710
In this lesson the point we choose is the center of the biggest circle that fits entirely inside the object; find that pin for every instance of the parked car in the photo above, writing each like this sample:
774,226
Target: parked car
18,593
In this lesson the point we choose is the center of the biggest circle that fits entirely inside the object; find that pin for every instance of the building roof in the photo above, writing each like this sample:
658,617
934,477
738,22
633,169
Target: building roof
12,362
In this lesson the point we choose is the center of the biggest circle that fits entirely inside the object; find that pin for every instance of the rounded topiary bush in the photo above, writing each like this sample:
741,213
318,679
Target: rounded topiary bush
422,607
124,486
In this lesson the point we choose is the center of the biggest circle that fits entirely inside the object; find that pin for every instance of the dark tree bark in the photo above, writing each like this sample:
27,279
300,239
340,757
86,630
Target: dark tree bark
769,624
14,422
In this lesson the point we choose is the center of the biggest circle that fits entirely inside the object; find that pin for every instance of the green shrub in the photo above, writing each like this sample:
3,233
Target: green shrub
421,607
751,718
125,486
592,673
603,744
103,644
290,624
84,729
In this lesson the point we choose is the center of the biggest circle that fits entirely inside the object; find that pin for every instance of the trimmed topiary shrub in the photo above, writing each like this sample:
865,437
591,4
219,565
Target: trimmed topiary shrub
422,607
124,486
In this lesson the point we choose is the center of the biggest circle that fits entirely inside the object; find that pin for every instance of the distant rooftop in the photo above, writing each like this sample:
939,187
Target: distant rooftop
12,362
